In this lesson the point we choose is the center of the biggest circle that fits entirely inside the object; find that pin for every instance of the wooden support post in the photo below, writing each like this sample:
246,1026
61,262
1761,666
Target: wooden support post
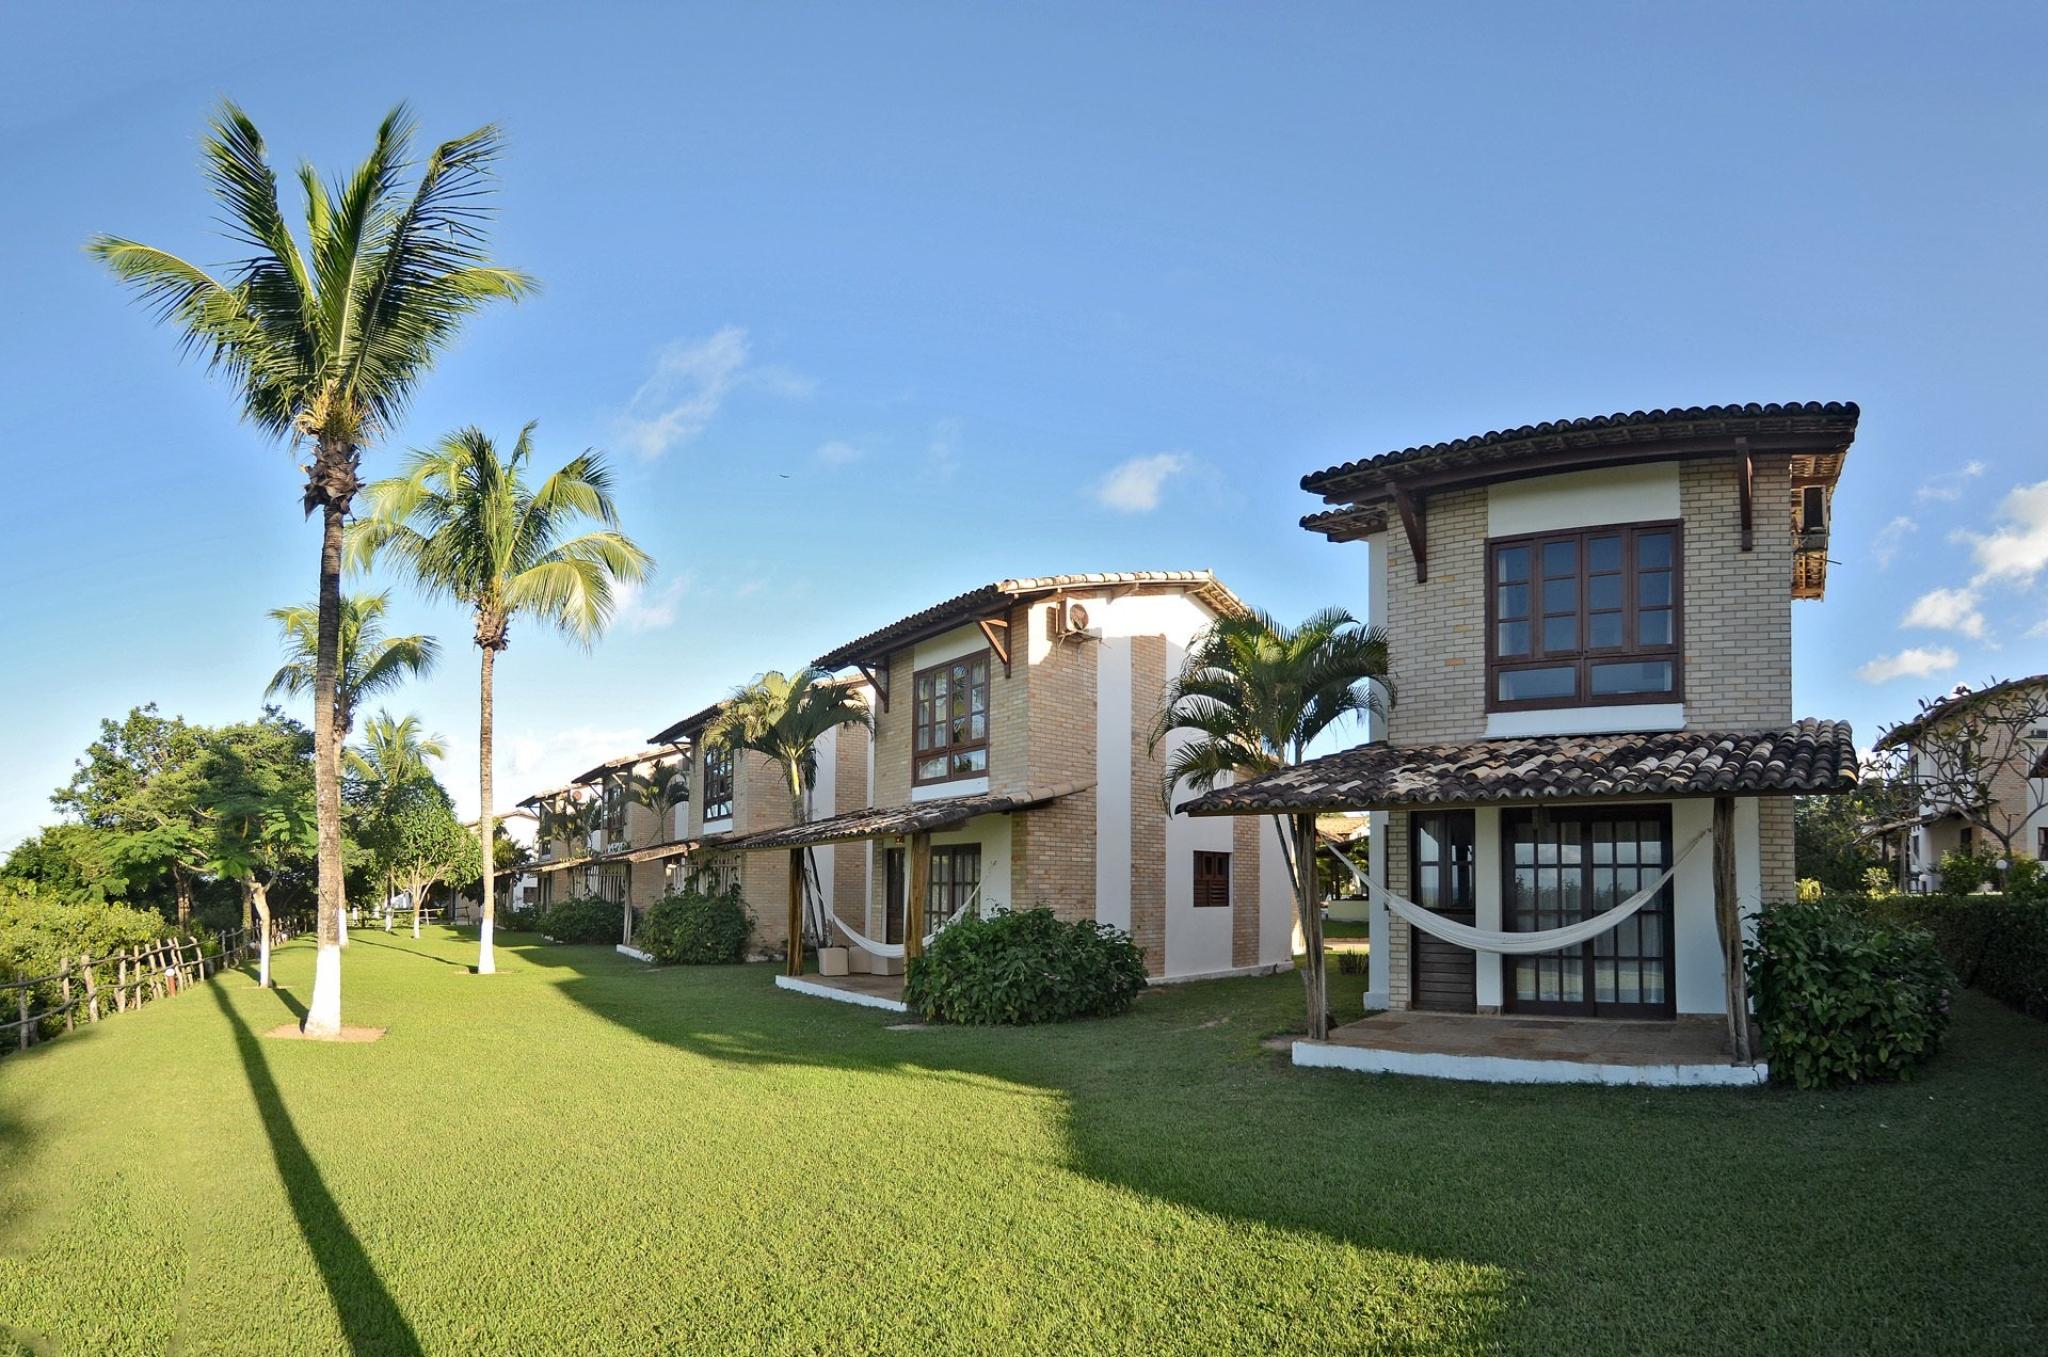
64,987
1745,479
920,887
21,1032
1414,522
796,911
92,989
1728,919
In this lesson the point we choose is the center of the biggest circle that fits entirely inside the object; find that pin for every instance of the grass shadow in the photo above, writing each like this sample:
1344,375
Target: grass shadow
410,951
370,1318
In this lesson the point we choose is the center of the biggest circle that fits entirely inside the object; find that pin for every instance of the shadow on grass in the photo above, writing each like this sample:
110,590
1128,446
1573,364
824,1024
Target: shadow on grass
410,951
369,1317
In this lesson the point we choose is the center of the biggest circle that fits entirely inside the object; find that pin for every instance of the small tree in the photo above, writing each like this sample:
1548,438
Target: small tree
784,717
429,846
1253,695
1982,756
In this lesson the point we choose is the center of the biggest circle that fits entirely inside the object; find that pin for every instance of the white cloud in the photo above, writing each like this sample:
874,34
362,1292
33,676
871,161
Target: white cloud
1133,487
1917,662
637,610
1891,540
839,452
1949,485
527,762
689,386
1947,610
2016,548
942,454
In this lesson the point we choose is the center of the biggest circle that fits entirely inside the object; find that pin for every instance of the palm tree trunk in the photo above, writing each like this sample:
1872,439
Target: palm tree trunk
323,1013
259,894
1312,973
486,964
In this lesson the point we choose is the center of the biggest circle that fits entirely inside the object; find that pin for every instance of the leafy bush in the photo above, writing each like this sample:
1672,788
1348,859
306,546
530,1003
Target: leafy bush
1843,995
1963,872
520,918
39,937
1024,967
694,929
1997,945
584,918
1351,961
1809,889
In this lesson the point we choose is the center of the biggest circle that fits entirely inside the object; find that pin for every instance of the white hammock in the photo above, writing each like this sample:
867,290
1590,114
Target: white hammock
895,949
1519,944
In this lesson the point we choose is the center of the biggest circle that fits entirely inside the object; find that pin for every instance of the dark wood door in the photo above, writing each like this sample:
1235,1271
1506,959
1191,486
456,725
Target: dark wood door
1564,866
1444,976
893,894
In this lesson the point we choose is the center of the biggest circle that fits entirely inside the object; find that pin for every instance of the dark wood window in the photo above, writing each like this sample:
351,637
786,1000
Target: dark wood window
949,715
614,807
1212,881
1585,618
718,765
956,876
1441,861
1564,866
611,883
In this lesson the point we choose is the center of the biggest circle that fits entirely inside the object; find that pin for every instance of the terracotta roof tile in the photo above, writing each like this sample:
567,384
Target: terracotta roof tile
889,821
1808,756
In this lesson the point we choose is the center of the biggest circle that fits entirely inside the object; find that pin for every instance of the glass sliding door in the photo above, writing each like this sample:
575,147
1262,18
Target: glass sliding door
1443,975
1564,866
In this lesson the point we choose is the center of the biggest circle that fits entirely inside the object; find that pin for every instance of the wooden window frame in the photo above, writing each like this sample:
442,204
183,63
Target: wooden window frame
715,783
1207,891
950,881
1456,828
1665,908
1582,657
950,751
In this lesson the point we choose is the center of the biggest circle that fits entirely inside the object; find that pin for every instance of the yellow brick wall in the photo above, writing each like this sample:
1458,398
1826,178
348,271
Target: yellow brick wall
1398,941
1738,604
1052,849
1246,843
1438,628
1148,817
848,862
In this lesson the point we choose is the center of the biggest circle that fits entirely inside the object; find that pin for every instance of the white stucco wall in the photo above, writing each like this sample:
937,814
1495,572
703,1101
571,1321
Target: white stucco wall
1583,499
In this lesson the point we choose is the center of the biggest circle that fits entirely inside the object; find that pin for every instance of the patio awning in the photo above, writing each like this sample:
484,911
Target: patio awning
679,848
1807,757
888,822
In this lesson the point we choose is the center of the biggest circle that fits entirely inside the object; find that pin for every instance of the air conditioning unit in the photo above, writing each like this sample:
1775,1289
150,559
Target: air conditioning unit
1066,620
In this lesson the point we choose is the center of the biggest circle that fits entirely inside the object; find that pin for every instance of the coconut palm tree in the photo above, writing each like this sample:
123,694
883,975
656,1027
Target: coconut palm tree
1252,695
370,663
466,524
326,341
783,718
390,762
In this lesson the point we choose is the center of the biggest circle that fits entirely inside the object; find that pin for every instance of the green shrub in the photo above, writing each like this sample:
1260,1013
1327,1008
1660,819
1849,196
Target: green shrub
694,929
1024,967
1963,872
39,937
583,918
1996,945
521,919
1843,995
1351,961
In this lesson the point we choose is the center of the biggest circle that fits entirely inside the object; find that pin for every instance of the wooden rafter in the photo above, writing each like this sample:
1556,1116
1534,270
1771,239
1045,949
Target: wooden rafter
878,679
1745,479
996,630
1415,522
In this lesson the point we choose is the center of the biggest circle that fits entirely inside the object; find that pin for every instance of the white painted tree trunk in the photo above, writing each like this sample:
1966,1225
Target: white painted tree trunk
260,897
486,966
344,928
486,961
323,1015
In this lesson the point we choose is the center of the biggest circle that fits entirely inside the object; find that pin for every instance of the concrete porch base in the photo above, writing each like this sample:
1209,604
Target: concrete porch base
1684,1053
868,991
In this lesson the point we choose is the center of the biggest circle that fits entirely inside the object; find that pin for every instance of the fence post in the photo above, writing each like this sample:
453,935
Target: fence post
92,989
64,990
21,1032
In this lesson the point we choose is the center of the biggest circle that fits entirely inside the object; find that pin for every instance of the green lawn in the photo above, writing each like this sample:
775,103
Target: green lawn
579,1155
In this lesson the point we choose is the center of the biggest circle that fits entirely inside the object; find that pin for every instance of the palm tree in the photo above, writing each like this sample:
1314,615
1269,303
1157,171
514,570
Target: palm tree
1252,696
783,718
369,664
326,344
466,525
391,761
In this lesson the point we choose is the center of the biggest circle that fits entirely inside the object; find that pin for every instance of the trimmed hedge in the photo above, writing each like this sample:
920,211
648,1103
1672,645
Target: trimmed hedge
1024,967
692,929
1994,944
584,918
1844,996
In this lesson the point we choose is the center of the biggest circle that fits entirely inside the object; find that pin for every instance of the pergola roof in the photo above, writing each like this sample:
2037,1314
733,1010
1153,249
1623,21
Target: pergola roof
1806,757
976,604
886,822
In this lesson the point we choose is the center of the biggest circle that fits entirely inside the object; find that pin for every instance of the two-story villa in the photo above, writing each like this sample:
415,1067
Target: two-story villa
615,832
740,793
1983,751
1591,633
1011,767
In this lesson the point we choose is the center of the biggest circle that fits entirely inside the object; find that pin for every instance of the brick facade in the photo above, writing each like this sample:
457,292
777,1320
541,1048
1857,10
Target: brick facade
1395,851
1052,850
1439,627
1738,604
1246,840
848,861
1148,817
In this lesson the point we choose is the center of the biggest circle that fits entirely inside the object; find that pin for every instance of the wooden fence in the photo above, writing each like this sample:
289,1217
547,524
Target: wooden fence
86,988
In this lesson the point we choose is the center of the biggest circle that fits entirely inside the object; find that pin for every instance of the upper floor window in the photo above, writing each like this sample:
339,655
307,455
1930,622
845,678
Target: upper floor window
718,764
1212,880
1585,618
950,716
614,807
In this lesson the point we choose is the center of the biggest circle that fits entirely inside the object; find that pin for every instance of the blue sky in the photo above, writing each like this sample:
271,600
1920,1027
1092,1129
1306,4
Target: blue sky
872,304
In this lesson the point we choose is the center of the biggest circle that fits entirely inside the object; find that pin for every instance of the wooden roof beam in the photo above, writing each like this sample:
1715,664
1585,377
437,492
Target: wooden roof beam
1415,522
